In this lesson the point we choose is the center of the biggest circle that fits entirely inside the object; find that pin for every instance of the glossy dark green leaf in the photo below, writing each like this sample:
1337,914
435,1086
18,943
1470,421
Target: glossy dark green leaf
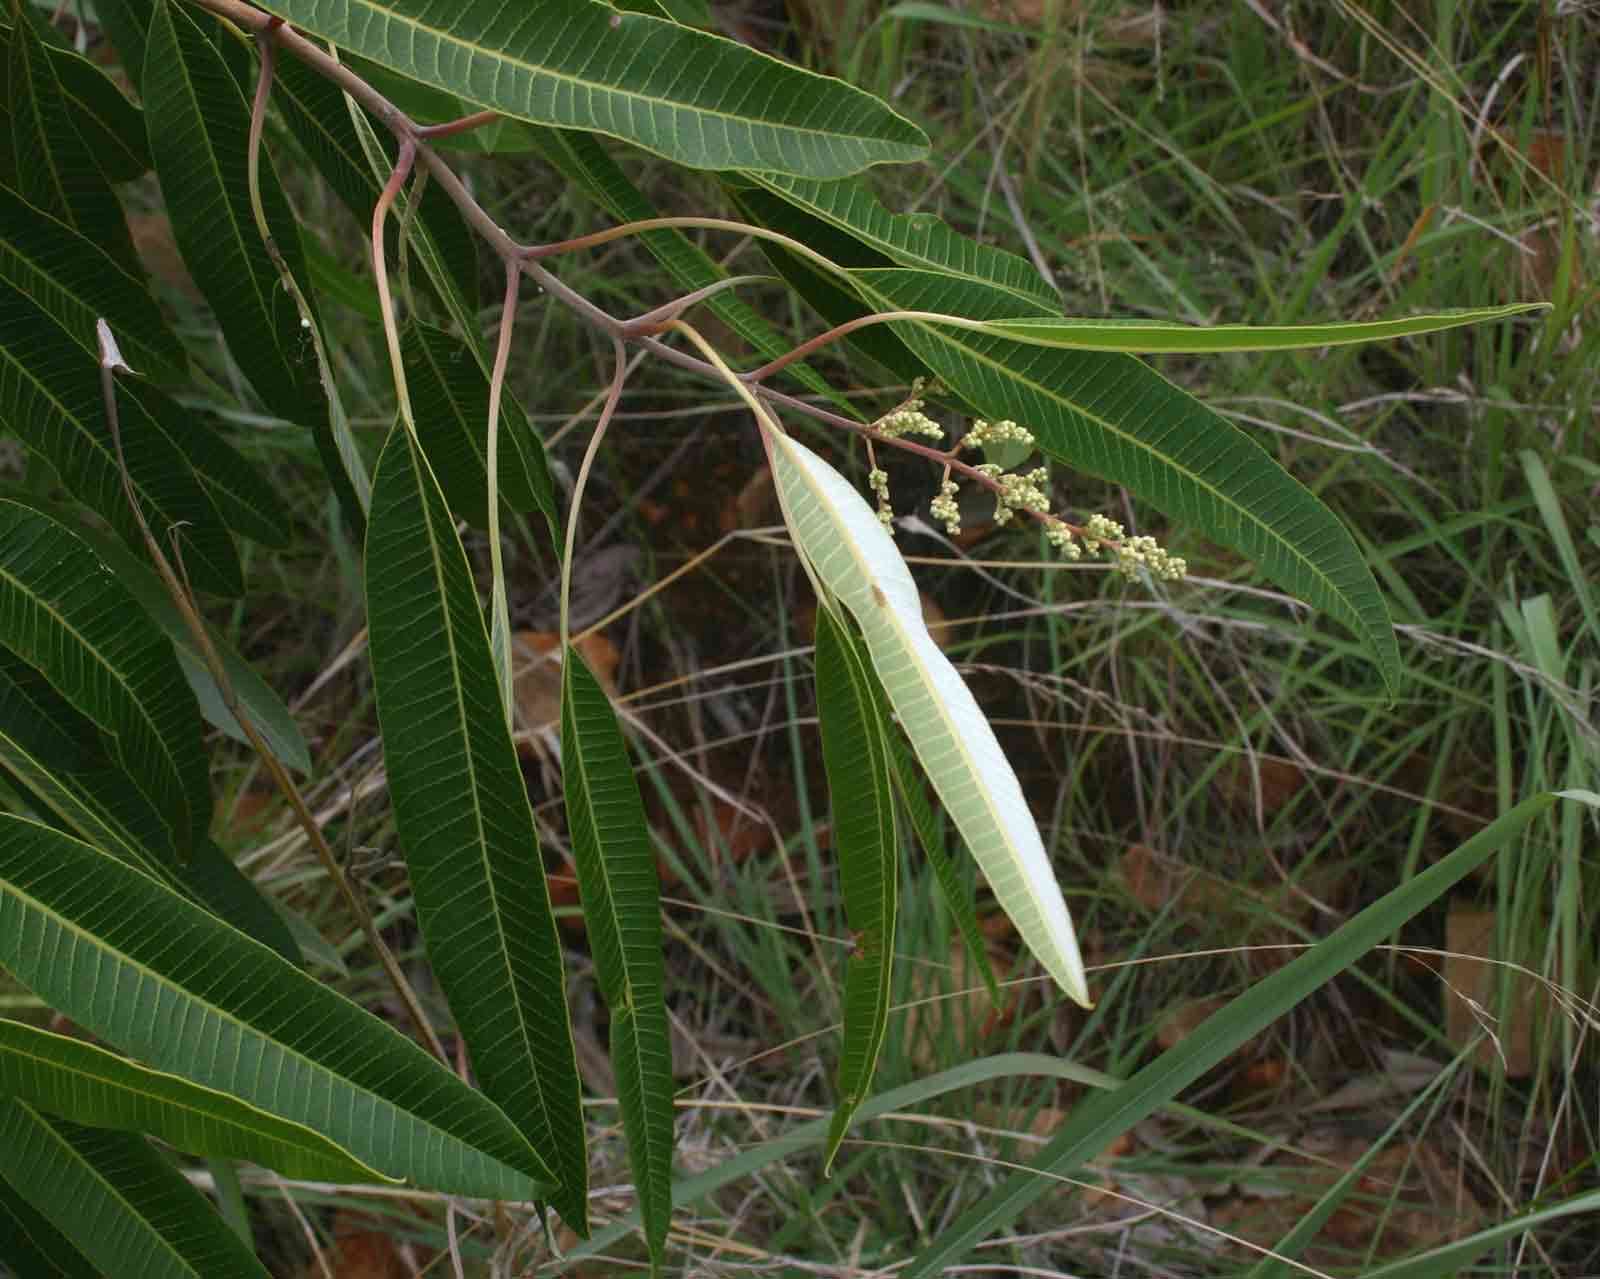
54,168
1115,417
461,807
866,841
78,282
78,1081
63,612
51,397
127,23
622,911
318,114
169,984
112,127
32,1247
1101,1117
128,1209
694,98
199,124
450,403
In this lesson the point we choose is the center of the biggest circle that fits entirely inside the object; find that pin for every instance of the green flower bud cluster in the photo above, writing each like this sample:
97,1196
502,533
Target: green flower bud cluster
1003,432
878,482
1129,554
946,508
908,419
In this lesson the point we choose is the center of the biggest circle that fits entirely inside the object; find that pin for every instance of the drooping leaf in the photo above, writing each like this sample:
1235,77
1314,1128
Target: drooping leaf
124,1206
867,843
199,123
54,169
169,984
75,1080
581,158
918,240
461,807
51,397
319,116
622,910
857,561
77,281
1102,1117
32,1247
111,126
691,97
213,879
953,887
1114,417
450,402
63,612
272,719
1153,337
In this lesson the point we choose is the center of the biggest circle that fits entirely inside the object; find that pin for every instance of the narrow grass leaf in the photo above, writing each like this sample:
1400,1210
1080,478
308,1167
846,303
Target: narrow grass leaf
169,984
51,397
128,1209
856,559
1114,417
32,1246
1458,1257
461,807
1154,337
88,1085
450,403
199,126
1103,1117
689,96
63,613
866,841
917,240
622,910
953,887
77,281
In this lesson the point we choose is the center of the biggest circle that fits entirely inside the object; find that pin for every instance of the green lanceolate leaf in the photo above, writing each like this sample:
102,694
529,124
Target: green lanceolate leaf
112,127
88,1085
272,719
32,1247
622,909
919,240
128,1209
77,282
55,170
450,403
127,23
691,97
167,983
582,158
1114,417
63,613
1101,1117
861,797
953,886
319,116
59,759
199,125
856,560
461,807
51,397
1152,337
213,879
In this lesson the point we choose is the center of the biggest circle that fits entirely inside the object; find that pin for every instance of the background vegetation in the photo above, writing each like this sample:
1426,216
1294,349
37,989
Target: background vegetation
1220,780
